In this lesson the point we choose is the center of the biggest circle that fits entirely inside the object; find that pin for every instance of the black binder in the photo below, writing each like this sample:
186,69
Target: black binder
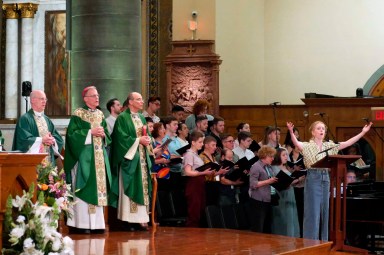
284,180
212,165
183,149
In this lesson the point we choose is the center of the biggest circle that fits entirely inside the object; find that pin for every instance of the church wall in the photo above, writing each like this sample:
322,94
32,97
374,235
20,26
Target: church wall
323,46
240,44
182,13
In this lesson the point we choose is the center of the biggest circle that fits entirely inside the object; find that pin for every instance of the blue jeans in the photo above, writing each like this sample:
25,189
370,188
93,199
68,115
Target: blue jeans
316,204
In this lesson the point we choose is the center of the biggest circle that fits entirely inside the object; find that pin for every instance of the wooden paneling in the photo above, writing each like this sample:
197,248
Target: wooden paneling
342,115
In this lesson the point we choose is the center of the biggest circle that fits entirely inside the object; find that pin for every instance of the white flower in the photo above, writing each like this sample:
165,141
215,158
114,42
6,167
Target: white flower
19,202
20,219
67,251
42,210
17,232
68,242
28,243
56,245
53,253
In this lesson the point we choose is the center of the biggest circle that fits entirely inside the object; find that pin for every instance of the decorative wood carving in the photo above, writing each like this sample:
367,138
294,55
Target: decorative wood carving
192,74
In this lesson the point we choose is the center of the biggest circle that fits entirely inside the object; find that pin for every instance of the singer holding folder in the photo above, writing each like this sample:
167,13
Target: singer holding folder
195,186
316,189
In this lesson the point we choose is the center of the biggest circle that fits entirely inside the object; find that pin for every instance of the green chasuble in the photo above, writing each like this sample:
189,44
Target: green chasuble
123,137
26,132
93,176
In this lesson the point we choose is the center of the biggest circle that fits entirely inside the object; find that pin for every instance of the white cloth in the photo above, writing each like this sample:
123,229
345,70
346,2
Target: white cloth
243,153
110,123
81,218
154,117
123,210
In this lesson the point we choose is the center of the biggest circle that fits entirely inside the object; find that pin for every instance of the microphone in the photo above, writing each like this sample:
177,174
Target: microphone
320,113
326,150
366,119
275,103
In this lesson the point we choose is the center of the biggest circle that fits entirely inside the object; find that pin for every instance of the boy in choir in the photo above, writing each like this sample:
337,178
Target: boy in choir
260,191
178,113
152,107
171,125
217,129
201,124
114,108
245,140
316,190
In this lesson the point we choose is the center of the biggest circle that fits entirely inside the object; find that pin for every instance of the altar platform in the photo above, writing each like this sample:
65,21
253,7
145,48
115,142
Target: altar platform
177,240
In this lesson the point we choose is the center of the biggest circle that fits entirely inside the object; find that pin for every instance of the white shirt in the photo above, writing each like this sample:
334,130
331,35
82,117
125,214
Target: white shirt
154,118
110,123
243,153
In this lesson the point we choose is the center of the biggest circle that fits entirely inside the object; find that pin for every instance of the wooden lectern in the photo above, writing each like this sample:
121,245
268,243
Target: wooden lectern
337,205
17,172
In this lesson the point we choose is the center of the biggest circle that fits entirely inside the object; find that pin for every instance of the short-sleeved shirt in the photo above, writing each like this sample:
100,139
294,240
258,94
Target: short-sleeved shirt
192,158
311,151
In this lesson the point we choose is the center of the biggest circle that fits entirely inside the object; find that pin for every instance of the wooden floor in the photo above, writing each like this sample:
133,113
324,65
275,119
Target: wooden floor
168,240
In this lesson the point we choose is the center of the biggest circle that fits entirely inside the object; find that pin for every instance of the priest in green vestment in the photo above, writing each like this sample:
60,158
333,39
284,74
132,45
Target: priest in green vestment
86,164
131,160
35,132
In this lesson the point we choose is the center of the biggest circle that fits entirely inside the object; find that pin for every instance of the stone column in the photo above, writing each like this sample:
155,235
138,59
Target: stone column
11,60
27,13
105,41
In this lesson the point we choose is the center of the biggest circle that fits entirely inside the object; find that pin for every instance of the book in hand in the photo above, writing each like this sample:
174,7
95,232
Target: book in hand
283,181
254,146
212,165
299,163
183,149
298,173
227,164
174,161
165,143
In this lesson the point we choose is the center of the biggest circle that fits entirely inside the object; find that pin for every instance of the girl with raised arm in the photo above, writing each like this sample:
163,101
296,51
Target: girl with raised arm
316,189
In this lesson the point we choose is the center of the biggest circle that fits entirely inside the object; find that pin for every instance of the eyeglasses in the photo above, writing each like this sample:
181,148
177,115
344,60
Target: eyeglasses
229,141
94,96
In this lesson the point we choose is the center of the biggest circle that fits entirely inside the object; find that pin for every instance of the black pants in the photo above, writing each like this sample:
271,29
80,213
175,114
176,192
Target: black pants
261,216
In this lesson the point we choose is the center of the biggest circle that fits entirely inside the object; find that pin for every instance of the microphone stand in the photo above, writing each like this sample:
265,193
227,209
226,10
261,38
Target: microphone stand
374,129
275,120
26,103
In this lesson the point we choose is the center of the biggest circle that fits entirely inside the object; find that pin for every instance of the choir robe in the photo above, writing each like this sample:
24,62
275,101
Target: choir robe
131,178
26,132
87,168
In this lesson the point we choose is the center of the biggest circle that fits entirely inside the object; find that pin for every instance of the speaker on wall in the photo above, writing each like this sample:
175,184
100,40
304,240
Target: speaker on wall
26,88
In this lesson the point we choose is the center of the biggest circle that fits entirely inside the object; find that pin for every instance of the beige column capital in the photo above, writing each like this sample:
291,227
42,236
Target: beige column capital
10,11
27,10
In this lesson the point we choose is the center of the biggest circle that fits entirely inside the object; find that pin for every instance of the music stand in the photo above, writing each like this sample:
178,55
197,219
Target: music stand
337,205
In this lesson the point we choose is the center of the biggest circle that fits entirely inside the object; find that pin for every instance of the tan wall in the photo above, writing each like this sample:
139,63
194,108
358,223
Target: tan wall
182,12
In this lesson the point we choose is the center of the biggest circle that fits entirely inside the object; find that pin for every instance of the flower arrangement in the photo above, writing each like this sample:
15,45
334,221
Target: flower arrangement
51,183
34,232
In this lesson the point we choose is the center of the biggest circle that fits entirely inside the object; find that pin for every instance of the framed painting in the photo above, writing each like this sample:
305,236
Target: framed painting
57,61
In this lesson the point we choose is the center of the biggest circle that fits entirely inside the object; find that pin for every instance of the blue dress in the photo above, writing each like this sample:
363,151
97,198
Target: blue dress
284,216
